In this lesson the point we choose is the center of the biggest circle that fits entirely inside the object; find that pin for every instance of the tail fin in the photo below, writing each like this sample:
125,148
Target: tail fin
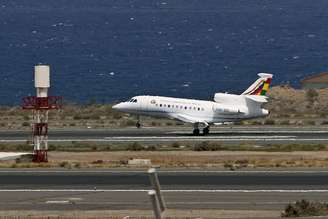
260,86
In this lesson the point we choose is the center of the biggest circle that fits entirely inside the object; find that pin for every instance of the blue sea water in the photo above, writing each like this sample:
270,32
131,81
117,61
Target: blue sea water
110,50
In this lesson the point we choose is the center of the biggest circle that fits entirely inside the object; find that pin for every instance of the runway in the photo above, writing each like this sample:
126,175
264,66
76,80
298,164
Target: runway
227,134
107,189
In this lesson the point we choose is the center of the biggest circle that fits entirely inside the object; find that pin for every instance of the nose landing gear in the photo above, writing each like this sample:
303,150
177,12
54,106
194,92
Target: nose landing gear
138,124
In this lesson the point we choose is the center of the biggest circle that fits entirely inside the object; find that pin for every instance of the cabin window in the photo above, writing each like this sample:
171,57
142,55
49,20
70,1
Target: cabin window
164,105
198,109
168,106
202,109
185,107
190,107
160,105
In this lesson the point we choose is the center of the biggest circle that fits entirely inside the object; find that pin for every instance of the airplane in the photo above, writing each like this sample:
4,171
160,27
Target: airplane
226,108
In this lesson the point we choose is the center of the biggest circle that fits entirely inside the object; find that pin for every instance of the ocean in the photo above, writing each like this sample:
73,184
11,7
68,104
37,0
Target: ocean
109,50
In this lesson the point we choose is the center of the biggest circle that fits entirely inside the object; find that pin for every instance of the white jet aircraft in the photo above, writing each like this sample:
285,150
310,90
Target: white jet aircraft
226,108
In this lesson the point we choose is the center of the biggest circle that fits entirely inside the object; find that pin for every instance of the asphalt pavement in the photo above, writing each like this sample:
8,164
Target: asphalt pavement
262,134
108,189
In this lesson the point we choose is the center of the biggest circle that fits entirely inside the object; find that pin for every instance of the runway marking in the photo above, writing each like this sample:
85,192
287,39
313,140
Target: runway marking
198,137
256,131
58,202
237,202
190,138
175,191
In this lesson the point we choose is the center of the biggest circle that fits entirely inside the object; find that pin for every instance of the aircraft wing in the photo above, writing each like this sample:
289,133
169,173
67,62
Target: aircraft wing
187,119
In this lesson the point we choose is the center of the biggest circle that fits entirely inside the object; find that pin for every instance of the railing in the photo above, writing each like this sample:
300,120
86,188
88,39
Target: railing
42,103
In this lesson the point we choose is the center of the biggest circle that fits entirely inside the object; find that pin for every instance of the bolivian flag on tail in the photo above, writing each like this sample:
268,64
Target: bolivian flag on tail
260,86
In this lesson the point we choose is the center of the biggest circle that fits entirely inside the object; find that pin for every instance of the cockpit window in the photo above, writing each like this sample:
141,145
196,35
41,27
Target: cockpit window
132,100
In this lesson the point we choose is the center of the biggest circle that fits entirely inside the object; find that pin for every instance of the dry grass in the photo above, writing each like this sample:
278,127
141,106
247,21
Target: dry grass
136,214
187,159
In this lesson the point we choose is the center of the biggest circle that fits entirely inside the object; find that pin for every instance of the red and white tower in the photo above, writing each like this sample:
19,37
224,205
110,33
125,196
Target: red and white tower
40,106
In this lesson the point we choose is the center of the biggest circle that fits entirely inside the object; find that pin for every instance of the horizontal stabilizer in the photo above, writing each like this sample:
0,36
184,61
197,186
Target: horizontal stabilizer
257,98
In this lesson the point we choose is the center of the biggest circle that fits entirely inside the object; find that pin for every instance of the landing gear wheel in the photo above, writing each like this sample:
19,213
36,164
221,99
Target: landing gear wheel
138,125
195,132
206,130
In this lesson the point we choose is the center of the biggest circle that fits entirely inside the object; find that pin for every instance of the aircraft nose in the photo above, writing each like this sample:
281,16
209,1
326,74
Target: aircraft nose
117,106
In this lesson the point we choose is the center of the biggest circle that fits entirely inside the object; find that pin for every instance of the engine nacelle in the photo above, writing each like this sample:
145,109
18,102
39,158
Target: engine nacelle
228,110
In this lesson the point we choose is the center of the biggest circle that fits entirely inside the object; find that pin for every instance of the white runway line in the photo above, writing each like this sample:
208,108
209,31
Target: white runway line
175,191
257,132
201,137
182,138
57,202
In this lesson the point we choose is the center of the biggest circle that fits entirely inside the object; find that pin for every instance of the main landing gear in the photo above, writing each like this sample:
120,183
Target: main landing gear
196,131
206,130
138,124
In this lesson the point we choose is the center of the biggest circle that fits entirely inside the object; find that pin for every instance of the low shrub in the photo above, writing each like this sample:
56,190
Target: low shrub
207,146
64,164
269,122
150,148
130,123
97,162
305,208
255,122
310,122
25,124
285,122
135,147
176,144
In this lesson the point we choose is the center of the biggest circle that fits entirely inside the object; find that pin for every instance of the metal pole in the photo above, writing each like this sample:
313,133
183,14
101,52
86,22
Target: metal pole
156,186
155,204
